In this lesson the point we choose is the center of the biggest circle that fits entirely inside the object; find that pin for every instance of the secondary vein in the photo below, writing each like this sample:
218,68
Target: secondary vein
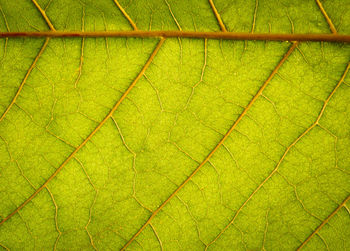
275,170
43,13
109,115
122,10
343,204
250,104
218,17
25,79
329,21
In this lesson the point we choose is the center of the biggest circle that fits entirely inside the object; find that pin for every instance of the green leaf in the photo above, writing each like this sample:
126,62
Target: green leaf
174,143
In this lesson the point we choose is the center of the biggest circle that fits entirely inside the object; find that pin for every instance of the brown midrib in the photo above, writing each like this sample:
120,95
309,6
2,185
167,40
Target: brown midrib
185,34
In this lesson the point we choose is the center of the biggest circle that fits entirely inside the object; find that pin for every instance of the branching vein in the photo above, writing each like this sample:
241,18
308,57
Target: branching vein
283,156
43,13
25,79
256,96
217,15
109,115
132,23
343,204
329,21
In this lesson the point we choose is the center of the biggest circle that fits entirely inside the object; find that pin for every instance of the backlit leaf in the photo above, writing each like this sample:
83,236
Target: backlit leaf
174,143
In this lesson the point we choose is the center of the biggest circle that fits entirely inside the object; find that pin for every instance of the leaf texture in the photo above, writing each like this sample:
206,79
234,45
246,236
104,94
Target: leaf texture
174,143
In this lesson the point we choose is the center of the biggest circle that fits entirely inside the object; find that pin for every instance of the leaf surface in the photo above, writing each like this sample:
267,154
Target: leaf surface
174,143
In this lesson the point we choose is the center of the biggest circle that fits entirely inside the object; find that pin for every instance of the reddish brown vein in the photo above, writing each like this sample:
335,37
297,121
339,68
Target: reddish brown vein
185,34
25,79
324,223
283,156
91,134
257,95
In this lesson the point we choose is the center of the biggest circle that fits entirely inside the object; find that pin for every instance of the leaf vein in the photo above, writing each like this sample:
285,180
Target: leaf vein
122,10
343,204
187,34
218,17
329,21
256,96
25,79
43,13
90,135
284,155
